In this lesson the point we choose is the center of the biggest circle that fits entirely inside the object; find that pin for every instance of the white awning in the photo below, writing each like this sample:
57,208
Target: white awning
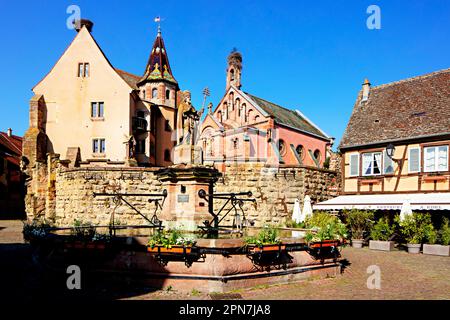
419,201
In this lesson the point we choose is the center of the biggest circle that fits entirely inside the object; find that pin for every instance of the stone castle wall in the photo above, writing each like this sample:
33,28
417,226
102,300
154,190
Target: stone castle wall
66,194
275,189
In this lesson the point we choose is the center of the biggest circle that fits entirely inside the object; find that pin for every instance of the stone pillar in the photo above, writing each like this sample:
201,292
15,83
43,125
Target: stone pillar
34,166
184,208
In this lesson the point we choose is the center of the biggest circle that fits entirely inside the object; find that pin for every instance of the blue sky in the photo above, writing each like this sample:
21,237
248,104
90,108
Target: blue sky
301,54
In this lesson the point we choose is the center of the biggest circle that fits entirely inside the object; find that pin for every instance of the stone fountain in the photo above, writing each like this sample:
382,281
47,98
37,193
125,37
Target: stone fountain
184,208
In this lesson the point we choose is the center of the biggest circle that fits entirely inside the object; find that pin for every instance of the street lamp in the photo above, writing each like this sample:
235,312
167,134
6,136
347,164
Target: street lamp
390,150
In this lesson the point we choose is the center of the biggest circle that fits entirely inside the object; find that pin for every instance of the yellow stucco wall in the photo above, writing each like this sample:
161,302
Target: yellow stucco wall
408,182
68,99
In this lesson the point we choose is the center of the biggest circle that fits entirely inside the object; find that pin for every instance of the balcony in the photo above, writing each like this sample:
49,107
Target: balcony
139,124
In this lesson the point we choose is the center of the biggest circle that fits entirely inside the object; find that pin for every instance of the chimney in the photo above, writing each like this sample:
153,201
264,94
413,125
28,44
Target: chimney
9,132
83,22
366,90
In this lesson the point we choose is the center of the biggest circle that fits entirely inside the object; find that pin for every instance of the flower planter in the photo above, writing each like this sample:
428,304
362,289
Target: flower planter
414,248
85,245
381,245
357,243
324,244
436,250
267,248
171,250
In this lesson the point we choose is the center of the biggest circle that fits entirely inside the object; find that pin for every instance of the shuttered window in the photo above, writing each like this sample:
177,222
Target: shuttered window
354,165
388,164
414,160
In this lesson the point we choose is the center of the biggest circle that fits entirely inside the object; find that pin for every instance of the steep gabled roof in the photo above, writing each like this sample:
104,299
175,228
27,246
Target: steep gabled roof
407,109
287,117
129,78
158,66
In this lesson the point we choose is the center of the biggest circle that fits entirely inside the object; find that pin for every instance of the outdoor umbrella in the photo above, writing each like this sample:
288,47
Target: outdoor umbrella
307,208
406,209
297,214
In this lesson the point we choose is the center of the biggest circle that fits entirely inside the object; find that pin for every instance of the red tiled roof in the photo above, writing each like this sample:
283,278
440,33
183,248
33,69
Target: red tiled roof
129,78
412,108
13,144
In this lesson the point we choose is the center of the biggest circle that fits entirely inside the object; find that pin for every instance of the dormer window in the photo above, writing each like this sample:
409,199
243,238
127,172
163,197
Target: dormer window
83,70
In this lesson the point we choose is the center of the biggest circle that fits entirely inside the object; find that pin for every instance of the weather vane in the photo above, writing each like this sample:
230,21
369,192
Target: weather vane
158,21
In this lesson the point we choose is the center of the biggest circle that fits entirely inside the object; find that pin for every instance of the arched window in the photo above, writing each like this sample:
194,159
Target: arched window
244,111
225,110
257,118
167,94
154,93
300,150
219,115
232,74
167,155
317,155
249,115
282,147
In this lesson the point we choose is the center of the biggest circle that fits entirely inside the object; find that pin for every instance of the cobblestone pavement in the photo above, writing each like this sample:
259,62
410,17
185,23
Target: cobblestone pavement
403,276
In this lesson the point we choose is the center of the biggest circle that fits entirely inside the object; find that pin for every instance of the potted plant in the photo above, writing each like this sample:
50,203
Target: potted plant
381,235
359,222
415,228
36,230
265,241
443,237
326,230
170,241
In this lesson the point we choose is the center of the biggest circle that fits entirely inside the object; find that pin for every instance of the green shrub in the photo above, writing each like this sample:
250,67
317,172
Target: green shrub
170,238
83,230
36,229
359,222
444,233
417,228
382,231
324,227
268,235
293,224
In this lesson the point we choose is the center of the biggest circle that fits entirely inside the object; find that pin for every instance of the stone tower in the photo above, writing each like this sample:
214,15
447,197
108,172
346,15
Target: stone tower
234,69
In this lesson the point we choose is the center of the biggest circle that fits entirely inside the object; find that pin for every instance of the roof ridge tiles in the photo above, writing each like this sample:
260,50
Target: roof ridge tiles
415,78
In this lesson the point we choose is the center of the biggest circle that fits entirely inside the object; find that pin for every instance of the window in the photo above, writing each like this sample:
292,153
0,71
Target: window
371,164
98,146
143,94
435,159
97,109
80,70
83,70
232,74
154,93
140,146
152,149
167,94
140,114
388,164
414,160
256,118
300,151
317,155
167,155
282,147
354,165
